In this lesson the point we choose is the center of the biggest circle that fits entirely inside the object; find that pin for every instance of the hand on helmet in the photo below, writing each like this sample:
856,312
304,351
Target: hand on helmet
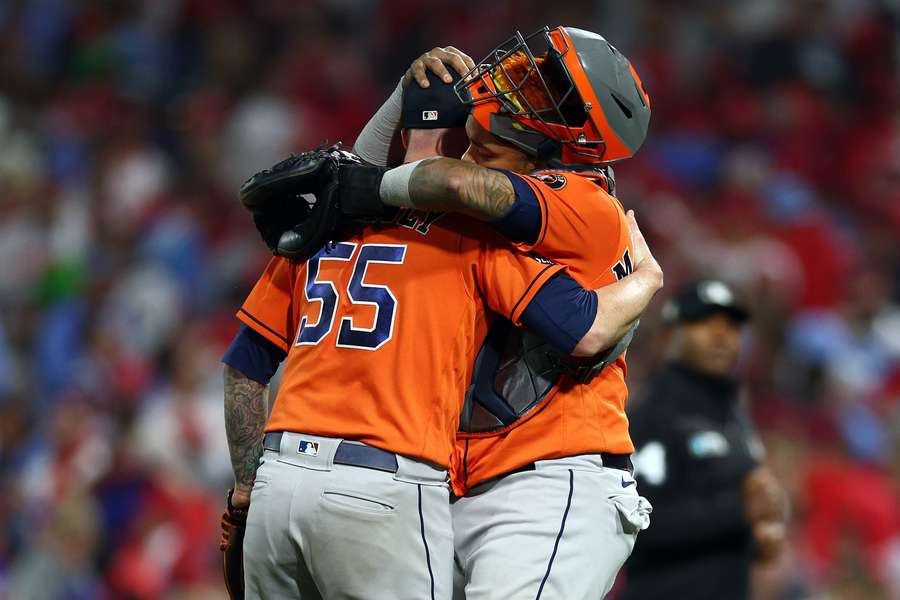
437,60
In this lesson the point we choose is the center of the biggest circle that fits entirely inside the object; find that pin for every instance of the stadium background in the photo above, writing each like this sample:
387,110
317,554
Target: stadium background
126,127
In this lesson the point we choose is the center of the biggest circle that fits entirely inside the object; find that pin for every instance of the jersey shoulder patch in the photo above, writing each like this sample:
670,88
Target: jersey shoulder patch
554,181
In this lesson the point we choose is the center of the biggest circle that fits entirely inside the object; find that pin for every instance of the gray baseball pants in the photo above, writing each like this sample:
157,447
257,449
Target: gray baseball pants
317,529
559,532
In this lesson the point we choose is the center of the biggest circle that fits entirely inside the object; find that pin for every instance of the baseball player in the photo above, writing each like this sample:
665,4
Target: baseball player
547,506
379,331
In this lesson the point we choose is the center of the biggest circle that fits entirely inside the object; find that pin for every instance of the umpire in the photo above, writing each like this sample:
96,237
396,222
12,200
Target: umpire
716,508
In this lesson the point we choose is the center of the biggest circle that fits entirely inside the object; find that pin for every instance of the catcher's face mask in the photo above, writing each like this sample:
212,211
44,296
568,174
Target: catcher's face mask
565,96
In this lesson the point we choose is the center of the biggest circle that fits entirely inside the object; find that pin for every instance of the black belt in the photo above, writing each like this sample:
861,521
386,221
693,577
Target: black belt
347,453
622,462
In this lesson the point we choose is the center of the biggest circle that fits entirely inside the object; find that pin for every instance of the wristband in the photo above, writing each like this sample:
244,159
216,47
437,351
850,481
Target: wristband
394,189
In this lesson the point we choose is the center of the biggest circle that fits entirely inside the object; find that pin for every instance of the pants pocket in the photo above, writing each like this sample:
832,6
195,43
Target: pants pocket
633,510
354,501
262,479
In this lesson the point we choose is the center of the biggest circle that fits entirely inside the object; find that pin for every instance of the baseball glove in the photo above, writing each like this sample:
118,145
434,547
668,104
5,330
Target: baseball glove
298,204
234,523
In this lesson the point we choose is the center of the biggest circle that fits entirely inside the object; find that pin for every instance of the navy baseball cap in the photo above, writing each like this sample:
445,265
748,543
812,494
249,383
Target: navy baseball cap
434,107
703,298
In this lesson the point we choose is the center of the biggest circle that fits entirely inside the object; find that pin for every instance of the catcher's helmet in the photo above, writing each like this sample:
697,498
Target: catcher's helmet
565,95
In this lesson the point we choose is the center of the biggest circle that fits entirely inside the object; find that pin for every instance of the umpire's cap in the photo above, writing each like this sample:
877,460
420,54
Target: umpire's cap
434,107
700,299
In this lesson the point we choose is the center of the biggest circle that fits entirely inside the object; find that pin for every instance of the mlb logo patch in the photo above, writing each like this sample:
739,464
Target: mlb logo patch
429,115
309,448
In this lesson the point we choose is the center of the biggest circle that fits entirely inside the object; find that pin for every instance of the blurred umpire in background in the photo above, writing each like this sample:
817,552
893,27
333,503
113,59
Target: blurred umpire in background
717,508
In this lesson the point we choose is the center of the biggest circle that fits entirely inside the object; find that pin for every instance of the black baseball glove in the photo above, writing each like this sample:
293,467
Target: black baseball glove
234,524
298,204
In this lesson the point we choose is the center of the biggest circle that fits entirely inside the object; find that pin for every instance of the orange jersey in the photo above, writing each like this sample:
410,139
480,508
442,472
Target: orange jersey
381,329
585,229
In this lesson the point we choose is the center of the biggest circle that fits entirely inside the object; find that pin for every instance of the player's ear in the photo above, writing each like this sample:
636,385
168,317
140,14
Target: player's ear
404,137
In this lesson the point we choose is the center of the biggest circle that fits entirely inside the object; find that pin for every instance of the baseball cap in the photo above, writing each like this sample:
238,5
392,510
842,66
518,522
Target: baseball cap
434,107
701,299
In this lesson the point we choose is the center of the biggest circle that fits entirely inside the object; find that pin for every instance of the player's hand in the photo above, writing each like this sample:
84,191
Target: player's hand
769,537
764,498
240,497
234,524
437,60
643,258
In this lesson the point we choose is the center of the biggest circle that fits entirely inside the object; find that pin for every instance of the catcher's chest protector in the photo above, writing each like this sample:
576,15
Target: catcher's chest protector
514,373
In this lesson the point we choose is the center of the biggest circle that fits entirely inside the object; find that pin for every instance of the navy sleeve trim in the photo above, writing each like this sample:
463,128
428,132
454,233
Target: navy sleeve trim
528,290
562,312
253,355
522,221
266,327
543,201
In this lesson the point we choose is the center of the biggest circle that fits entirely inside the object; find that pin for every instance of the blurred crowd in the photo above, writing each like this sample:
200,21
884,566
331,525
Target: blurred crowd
127,125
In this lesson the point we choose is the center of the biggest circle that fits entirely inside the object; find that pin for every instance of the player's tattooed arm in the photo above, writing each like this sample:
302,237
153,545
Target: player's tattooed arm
246,412
447,184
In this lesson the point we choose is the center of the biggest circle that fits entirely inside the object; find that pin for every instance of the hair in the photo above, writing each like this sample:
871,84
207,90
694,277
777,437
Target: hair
516,70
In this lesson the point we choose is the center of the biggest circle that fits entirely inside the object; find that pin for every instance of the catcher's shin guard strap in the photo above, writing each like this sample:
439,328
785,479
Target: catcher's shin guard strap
395,185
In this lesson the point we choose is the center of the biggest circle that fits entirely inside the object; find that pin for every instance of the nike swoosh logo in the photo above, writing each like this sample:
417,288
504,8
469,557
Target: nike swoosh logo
625,484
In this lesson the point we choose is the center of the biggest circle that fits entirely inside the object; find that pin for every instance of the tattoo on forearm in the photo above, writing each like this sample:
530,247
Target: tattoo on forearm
448,184
246,411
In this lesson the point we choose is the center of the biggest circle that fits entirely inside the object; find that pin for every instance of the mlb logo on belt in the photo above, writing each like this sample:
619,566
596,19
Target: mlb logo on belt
429,115
308,447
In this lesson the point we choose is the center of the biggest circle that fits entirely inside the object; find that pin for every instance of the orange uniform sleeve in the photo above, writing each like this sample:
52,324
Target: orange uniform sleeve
509,280
269,309
579,219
